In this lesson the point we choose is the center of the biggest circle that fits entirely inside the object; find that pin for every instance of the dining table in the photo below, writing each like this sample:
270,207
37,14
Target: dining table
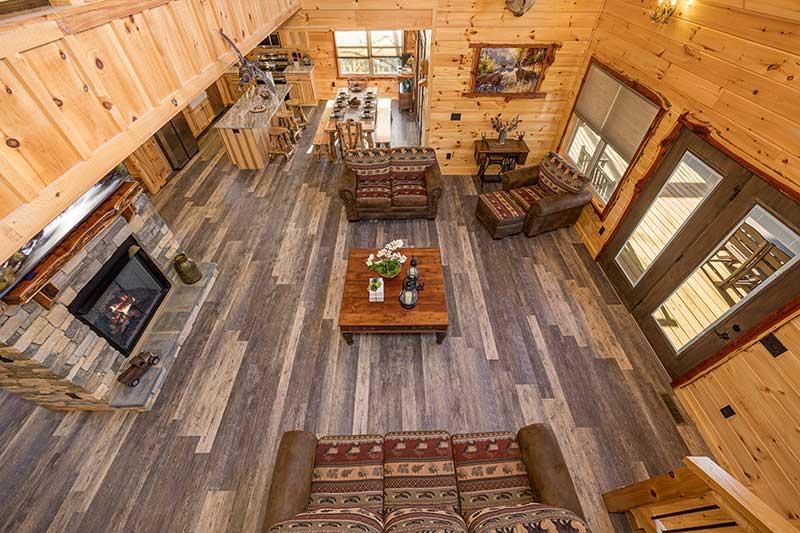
333,113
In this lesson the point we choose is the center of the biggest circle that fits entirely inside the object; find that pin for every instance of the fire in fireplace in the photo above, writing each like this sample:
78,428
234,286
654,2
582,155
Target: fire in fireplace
121,299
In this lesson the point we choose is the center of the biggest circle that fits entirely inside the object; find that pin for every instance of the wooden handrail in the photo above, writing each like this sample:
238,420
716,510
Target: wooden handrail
701,477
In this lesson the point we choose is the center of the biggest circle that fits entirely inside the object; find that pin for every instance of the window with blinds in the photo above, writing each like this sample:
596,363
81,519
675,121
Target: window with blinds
611,120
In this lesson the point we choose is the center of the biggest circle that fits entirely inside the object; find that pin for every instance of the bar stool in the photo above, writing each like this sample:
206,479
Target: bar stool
297,108
286,120
280,142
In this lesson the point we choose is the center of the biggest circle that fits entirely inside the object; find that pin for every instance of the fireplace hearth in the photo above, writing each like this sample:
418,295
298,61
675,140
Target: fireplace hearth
122,298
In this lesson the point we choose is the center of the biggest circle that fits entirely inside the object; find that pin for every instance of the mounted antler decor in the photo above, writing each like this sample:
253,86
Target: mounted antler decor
503,127
519,7
249,71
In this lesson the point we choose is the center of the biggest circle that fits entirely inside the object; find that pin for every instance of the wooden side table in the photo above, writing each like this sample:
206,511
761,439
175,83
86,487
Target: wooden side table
507,155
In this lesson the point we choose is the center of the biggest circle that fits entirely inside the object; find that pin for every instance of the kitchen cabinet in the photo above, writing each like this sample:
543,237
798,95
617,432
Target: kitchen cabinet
302,83
199,114
149,166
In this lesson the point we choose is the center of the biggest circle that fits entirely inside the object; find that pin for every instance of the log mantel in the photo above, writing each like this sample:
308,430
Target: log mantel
38,281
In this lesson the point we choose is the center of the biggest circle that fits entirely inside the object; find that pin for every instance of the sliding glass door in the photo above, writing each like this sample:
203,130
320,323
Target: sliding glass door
707,254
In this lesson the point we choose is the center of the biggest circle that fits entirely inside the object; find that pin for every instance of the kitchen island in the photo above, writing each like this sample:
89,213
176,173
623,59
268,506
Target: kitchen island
245,133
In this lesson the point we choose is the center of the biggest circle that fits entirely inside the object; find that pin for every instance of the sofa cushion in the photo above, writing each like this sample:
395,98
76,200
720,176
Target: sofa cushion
378,194
526,196
420,519
501,205
331,520
411,161
418,470
490,471
529,517
560,176
409,192
370,164
348,472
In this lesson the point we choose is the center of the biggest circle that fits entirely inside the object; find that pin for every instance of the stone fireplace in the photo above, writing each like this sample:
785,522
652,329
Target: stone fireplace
117,296
122,298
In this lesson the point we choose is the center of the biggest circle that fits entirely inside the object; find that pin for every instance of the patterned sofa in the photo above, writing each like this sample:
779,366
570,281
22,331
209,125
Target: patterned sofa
423,481
535,199
393,183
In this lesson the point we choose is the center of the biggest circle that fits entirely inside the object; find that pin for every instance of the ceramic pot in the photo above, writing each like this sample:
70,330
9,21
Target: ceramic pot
187,269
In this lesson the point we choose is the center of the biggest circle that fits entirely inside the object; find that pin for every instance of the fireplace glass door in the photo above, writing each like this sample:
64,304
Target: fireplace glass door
122,298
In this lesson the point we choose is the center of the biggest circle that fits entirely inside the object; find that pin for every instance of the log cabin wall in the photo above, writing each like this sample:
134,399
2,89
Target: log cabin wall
310,30
758,444
733,64
84,86
456,24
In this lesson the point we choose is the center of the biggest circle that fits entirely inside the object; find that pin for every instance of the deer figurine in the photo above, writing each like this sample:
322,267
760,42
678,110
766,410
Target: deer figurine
249,71
519,7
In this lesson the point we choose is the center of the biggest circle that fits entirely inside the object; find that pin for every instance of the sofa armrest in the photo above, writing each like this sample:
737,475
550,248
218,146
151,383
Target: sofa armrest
562,202
347,192
547,470
291,478
433,183
520,177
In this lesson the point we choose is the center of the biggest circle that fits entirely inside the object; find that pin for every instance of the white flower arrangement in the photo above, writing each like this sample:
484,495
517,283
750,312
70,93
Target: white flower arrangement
388,259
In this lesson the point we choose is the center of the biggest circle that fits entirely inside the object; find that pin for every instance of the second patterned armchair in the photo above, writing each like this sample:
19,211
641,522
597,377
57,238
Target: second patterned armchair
535,199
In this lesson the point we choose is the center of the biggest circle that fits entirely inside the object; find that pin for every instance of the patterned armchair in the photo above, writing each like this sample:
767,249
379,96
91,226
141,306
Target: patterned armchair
391,183
535,199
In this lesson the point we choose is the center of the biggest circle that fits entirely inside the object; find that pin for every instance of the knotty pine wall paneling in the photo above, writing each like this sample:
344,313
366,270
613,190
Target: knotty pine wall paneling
457,24
759,444
317,19
84,86
732,65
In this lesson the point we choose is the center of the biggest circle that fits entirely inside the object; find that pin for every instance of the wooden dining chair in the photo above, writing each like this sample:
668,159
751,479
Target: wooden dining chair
356,84
351,135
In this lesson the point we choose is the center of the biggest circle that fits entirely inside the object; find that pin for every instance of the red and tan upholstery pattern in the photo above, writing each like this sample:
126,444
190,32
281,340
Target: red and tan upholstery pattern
527,517
330,520
560,176
411,161
375,194
348,472
421,520
526,196
374,182
490,471
411,191
418,470
501,205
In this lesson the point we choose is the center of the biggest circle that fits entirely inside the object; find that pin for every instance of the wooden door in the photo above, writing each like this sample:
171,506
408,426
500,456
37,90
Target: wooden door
693,184
707,254
741,272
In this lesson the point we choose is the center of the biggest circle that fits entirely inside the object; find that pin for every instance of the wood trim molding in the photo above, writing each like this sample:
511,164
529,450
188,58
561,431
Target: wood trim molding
658,99
118,204
550,56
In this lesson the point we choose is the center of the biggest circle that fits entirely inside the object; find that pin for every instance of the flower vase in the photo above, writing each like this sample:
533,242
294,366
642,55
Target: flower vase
389,274
501,136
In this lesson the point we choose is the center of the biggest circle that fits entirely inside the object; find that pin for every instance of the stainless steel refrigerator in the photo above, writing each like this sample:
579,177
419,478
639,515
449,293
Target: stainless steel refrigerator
177,141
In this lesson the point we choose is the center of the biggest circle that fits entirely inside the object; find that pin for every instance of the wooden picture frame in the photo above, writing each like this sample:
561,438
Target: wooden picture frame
479,79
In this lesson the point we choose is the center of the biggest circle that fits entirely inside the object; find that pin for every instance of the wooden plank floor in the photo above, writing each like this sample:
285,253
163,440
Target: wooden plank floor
537,335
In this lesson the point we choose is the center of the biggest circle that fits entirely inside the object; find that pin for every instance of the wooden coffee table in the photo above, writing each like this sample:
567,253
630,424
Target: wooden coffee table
359,315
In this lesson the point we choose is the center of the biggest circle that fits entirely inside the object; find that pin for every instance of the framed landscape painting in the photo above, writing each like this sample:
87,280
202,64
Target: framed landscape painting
510,70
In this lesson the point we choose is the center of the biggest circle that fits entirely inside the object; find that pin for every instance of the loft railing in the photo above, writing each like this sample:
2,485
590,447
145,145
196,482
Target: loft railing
700,496
601,182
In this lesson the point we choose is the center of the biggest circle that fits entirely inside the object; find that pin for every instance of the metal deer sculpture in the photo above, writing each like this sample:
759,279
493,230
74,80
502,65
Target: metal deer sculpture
249,71
519,7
